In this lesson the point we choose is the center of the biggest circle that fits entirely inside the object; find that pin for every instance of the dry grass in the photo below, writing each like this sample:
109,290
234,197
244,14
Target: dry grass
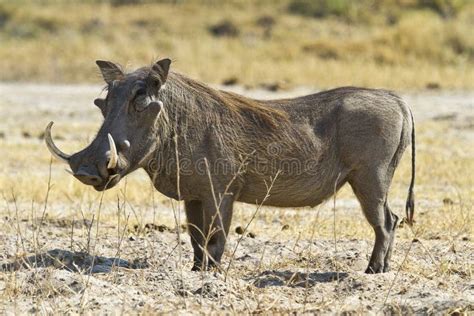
412,50
300,260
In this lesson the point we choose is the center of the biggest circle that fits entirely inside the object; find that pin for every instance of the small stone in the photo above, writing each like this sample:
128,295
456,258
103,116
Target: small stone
239,230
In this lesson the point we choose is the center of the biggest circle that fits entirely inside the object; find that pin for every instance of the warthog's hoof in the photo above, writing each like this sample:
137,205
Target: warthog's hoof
198,266
374,270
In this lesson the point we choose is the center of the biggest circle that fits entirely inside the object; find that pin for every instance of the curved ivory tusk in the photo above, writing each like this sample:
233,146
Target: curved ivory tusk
58,154
113,153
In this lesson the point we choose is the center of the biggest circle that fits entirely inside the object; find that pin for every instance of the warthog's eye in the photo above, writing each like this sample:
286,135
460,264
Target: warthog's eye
140,92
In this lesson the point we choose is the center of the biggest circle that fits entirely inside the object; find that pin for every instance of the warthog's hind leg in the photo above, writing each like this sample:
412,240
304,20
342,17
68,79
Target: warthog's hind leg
371,190
392,223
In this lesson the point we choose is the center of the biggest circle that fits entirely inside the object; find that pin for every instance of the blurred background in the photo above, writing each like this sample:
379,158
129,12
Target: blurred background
277,44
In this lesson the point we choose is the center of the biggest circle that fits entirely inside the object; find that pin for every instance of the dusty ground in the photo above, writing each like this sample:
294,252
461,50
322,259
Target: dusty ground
71,249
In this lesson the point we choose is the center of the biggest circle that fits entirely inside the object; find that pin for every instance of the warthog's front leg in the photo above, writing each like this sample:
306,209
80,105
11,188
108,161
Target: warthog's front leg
208,230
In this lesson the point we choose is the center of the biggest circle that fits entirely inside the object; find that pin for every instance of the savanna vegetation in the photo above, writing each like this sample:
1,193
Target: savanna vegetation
407,44
66,248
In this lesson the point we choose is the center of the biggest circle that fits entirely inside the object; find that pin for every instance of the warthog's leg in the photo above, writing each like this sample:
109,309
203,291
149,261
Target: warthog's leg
208,230
371,189
195,216
393,221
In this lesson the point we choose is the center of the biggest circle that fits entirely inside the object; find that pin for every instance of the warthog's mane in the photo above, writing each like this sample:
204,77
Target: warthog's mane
199,96
239,127
191,106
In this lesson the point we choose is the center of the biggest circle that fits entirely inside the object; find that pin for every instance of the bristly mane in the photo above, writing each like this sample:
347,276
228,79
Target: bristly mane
240,127
193,111
242,107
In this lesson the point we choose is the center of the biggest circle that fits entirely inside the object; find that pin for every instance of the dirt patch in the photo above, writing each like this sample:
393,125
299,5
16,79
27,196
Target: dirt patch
267,276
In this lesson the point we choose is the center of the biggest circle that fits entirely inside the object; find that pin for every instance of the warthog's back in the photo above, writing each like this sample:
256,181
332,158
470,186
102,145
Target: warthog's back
334,132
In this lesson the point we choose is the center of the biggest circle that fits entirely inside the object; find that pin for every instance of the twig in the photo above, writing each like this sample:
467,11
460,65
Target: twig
45,207
267,195
396,276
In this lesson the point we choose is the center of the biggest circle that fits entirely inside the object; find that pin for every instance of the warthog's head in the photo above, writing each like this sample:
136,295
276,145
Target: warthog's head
127,134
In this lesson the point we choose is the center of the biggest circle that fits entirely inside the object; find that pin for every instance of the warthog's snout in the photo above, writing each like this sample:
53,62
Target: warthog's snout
97,165
86,177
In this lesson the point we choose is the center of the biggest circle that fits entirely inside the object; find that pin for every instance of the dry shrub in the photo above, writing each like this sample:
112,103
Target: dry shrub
357,10
321,8
5,15
446,8
416,37
225,28
357,42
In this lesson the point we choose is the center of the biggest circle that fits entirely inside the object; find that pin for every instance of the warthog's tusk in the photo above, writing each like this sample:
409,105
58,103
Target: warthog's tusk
113,153
69,171
58,154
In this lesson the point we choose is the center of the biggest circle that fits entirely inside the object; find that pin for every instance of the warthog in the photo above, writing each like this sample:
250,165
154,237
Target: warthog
212,148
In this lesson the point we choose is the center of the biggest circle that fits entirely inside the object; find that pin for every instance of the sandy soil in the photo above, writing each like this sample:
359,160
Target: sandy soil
266,275
70,268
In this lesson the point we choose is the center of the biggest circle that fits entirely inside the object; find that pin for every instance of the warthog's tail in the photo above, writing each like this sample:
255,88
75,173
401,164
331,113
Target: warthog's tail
410,205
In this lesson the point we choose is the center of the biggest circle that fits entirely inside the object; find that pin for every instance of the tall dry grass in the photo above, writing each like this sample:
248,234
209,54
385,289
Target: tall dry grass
404,46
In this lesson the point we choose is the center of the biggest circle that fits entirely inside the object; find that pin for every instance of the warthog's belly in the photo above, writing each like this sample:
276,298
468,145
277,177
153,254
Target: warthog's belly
291,191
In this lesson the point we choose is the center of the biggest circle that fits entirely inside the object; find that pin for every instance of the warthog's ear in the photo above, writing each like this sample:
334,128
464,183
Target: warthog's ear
109,70
161,68
158,74
100,103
